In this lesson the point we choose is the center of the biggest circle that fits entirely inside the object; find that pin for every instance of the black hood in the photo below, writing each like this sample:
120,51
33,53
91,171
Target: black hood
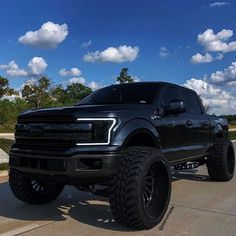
85,110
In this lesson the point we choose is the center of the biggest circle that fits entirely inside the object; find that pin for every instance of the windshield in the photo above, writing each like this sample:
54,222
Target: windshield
121,94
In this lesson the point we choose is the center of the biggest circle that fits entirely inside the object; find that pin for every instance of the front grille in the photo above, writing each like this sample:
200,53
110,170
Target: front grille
58,132
45,119
43,144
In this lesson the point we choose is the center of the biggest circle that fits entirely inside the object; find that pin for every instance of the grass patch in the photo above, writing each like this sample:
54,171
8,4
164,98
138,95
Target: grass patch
5,144
232,135
7,128
4,166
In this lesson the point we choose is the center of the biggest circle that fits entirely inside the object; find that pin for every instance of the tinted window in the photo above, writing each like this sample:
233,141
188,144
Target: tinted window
121,94
191,102
171,93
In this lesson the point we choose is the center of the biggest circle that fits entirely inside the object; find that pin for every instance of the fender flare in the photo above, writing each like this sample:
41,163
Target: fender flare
218,131
132,127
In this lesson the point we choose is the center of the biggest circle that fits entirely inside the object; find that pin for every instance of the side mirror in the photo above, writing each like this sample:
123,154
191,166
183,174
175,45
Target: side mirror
176,107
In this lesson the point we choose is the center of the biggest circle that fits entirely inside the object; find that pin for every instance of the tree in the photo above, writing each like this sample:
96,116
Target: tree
76,91
59,95
37,94
5,89
124,77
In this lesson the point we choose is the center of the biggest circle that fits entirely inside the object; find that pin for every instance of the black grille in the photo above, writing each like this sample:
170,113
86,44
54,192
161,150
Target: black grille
43,144
45,119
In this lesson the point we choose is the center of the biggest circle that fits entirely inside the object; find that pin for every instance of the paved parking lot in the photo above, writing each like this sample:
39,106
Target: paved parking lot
198,207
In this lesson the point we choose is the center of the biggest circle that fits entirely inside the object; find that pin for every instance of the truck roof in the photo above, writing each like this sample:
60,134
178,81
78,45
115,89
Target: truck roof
155,83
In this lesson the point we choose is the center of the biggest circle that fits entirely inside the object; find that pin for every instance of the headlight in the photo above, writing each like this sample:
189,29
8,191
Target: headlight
100,130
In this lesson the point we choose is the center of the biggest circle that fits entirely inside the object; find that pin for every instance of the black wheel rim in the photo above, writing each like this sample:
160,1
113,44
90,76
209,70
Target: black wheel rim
40,187
155,191
148,188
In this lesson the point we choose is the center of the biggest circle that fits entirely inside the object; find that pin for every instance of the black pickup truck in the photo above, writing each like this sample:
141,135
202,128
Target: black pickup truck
124,139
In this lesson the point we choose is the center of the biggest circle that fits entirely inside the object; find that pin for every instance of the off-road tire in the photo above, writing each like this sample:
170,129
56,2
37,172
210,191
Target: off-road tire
23,188
126,190
221,162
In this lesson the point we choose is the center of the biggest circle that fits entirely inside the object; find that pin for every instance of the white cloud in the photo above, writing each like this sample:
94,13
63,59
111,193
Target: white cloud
199,58
218,4
136,78
13,70
217,42
112,54
163,52
75,80
86,44
220,101
36,66
225,76
94,85
71,72
48,36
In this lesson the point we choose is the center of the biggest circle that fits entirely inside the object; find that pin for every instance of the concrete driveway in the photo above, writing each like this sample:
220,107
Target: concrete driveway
198,207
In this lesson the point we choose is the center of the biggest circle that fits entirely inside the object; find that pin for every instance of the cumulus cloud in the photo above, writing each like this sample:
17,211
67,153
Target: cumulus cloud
13,70
112,54
86,44
77,80
36,66
227,75
163,52
199,58
50,35
217,42
71,72
220,101
218,4
94,85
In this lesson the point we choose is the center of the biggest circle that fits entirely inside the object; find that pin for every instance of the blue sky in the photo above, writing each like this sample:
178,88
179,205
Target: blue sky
159,39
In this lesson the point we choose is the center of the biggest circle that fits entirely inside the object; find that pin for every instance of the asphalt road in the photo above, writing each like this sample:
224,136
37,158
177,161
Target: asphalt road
198,207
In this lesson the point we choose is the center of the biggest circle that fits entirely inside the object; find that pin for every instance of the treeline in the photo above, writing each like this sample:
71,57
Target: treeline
36,94
41,93
231,119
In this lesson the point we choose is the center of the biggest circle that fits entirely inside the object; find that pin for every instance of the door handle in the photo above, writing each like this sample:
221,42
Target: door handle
189,123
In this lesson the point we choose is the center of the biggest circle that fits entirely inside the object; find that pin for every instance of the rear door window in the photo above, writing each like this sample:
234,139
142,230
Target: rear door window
191,102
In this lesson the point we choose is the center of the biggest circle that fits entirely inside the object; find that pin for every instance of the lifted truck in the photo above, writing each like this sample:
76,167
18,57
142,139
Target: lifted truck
125,138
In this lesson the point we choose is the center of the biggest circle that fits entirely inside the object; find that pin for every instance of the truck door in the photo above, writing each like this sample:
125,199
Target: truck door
172,128
199,125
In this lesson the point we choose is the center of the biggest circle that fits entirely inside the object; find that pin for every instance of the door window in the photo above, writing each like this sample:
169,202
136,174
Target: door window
171,93
191,102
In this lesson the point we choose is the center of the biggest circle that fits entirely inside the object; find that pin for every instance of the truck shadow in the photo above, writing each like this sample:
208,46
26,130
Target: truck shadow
81,206
84,207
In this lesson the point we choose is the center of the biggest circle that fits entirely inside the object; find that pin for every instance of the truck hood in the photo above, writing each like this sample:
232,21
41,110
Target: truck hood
87,110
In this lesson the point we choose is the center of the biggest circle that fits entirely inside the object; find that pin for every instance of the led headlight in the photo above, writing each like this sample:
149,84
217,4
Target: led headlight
100,130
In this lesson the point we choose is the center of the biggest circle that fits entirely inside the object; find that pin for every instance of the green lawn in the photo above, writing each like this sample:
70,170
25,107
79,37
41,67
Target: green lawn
8,128
5,145
232,135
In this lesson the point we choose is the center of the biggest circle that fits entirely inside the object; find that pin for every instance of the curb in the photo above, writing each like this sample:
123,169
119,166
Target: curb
3,173
4,157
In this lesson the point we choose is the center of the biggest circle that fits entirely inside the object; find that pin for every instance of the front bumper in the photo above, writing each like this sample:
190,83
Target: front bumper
76,169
